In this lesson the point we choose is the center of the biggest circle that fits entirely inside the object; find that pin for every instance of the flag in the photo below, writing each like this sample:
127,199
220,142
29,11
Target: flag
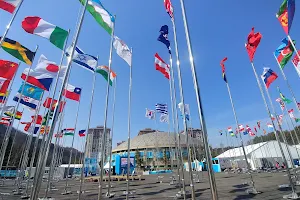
161,66
280,118
18,51
47,103
223,69
38,78
161,108
5,121
82,59
3,97
27,101
9,5
164,118
268,76
4,83
186,110
45,130
46,66
255,129
285,14
258,124
248,129
150,114
58,135
69,131
296,63
8,69
122,50
291,114
103,70
47,117
31,91
283,97
284,52
281,103
272,117
264,131
169,8
81,133
270,127
221,132
72,92
229,129
38,26
18,114
298,104
101,15
163,37
253,41
241,128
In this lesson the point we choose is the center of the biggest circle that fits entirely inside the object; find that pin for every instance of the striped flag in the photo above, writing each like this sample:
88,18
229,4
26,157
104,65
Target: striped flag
161,108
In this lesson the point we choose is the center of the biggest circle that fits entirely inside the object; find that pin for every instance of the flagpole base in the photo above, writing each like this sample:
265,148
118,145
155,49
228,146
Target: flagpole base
252,191
110,195
294,195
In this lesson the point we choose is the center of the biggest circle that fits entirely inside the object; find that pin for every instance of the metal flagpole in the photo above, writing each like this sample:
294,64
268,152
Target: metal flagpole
156,150
294,194
40,168
87,135
293,45
10,23
8,130
71,152
211,176
296,130
106,110
109,194
253,189
129,128
181,180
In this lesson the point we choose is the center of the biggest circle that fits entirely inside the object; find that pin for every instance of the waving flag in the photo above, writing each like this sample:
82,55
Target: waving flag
292,116
255,129
248,129
221,132
268,76
169,8
150,114
38,26
9,5
72,92
283,97
186,109
38,79
122,50
18,51
161,66
223,69
4,83
103,70
258,124
69,131
270,127
229,129
241,128
31,91
253,41
272,117
281,103
280,118
27,101
164,118
8,69
81,133
47,103
163,37
161,108
84,60
5,121
296,63
285,14
284,52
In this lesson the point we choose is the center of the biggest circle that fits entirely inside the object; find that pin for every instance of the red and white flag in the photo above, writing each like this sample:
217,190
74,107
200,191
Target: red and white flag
161,66
249,131
241,128
5,121
9,5
296,63
72,92
169,8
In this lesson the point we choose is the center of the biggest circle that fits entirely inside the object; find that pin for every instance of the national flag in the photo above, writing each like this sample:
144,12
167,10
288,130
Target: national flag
5,121
272,117
45,130
18,114
27,125
47,117
122,50
268,76
248,129
164,118
284,52
285,14
283,97
223,69
31,91
82,59
101,15
229,129
241,128
150,114
163,37
3,97
4,83
253,41
27,101
9,5
161,108
58,135
81,133
161,66
38,26
264,131
39,79
255,129
169,8
258,124
49,67
296,63
48,101
221,132
270,127
281,103
186,110
103,70
292,116
69,131
8,69
72,92
18,51
280,118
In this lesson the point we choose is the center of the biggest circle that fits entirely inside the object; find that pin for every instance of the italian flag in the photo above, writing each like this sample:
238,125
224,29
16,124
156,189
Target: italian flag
38,26
69,131
103,70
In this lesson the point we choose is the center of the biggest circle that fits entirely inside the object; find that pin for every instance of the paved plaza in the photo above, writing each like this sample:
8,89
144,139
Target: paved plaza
230,187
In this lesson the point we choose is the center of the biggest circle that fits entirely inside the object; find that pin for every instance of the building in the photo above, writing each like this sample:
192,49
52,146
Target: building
195,133
145,131
96,139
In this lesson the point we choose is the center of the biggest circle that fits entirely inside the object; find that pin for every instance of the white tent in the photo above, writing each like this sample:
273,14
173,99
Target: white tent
260,155
106,166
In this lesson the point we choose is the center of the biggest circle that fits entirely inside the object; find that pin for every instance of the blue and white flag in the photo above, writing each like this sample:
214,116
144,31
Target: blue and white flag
31,91
27,101
164,118
84,60
161,108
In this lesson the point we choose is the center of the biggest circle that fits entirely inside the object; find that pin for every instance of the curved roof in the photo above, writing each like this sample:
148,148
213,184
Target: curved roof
152,140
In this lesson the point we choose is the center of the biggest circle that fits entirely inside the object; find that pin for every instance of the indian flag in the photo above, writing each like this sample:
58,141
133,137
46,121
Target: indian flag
38,26
101,15
69,131
103,70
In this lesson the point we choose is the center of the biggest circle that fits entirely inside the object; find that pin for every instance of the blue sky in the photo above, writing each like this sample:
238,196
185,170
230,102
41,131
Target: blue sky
218,29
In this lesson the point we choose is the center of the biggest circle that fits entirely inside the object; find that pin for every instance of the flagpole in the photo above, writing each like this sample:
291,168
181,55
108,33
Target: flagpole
40,168
10,23
87,135
106,110
211,176
109,194
181,180
294,194
293,45
295,127
71,152
228,150
8,130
